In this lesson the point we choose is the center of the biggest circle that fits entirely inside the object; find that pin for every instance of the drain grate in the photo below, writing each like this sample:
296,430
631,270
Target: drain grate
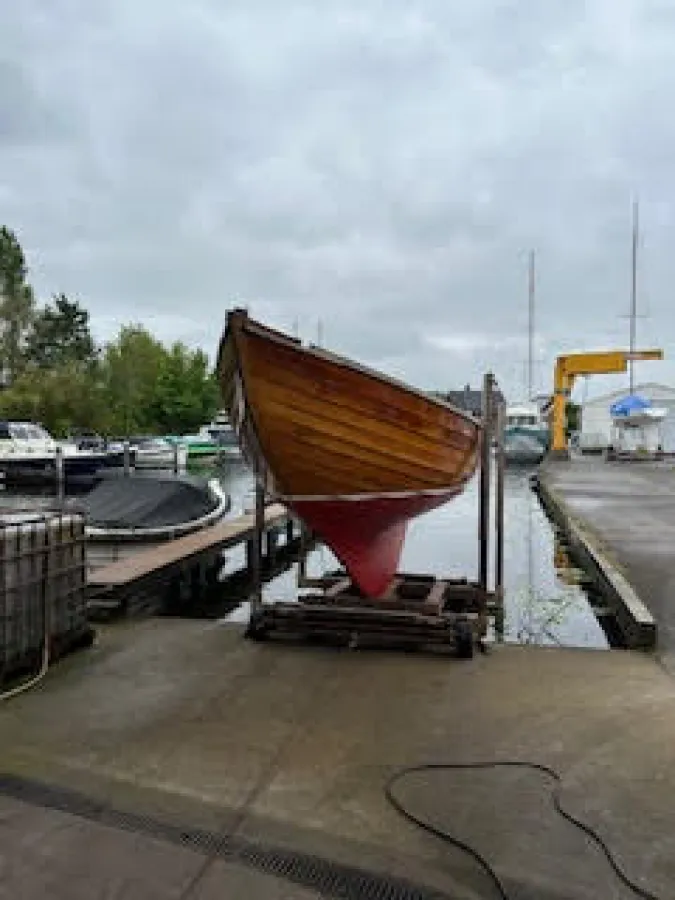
327,878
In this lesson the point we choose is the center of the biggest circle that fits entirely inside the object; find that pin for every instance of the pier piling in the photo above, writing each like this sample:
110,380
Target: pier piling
487,412
256,555
499,514
60,475
127,457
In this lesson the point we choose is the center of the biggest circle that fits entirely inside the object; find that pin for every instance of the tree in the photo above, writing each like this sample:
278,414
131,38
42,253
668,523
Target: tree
16,306
60,398
131,367
572,417
52,371
186,394
60,335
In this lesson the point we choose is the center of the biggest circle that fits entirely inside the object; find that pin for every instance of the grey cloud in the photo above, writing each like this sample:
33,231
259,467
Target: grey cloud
382,166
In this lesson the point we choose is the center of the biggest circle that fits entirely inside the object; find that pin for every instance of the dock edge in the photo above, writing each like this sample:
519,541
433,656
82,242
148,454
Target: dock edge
635,621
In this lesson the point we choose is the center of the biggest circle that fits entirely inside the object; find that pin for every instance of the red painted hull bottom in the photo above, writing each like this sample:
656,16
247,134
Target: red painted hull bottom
367,535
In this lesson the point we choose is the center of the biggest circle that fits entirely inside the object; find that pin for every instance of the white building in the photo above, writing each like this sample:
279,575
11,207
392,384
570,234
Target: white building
596,422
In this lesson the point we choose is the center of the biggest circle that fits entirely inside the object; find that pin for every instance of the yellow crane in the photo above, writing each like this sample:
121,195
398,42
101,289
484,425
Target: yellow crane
573,365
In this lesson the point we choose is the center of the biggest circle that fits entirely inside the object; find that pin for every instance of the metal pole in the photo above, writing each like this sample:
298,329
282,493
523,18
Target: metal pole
499,518
256,556
530,330
484,490
633,296
175,459
302,556
60,466
127,457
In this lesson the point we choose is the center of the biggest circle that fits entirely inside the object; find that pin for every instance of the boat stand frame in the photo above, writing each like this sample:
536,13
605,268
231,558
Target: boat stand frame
418,610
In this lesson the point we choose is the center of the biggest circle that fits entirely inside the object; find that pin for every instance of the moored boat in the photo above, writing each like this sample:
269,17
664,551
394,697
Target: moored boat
139,509
526,435
157,453
636,427
354,453
221,432
522,449
126,515
29,456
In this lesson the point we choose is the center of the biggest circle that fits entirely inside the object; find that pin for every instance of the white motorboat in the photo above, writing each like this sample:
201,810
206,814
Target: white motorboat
220,431
526,435
636,427
522,449
125,516
157,453
152,509
29,455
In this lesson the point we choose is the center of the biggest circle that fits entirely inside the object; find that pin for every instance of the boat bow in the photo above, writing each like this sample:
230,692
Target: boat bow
354,453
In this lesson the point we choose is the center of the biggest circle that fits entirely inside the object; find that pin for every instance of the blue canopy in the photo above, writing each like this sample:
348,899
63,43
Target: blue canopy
627,405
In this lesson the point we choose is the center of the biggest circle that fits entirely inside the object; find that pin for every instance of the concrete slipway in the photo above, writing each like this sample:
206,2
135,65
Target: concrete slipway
628,509
188,723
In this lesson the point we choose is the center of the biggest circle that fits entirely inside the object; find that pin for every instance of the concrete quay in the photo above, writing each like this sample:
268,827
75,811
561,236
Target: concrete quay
189,725
628,509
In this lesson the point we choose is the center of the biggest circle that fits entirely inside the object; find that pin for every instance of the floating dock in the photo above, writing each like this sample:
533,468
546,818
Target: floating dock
162,573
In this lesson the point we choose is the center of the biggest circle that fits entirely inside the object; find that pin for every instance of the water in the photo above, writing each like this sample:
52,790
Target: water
544,604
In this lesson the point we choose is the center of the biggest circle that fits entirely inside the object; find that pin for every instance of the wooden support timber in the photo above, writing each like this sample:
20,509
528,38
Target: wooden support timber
417,611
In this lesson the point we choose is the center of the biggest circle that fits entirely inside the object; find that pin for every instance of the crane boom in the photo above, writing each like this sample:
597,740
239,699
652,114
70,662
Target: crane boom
573,365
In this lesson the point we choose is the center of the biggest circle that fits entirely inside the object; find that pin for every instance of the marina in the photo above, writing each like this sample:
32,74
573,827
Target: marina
207,569
337,452
546,599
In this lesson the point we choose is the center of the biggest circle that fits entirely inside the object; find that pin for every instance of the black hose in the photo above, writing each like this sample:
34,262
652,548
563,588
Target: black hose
641,892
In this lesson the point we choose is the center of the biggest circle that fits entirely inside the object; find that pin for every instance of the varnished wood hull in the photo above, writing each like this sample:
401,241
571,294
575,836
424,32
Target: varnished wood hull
354,453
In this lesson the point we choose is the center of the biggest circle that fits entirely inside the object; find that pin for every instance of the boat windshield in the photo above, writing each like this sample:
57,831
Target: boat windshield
522,420
27,431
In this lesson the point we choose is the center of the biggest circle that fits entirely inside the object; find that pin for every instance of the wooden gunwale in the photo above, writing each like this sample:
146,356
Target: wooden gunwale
462,470
262,331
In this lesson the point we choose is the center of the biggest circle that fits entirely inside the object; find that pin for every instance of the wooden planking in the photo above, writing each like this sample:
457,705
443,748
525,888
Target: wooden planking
303,466
150,562
369,379
345,391
405,456
319,459
345,459
372,448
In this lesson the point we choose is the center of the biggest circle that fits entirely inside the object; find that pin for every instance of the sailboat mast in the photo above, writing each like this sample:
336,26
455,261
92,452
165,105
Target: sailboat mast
633,297
530,328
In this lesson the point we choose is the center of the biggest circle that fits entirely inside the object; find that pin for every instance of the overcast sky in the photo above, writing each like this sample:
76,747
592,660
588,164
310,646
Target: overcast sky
383,166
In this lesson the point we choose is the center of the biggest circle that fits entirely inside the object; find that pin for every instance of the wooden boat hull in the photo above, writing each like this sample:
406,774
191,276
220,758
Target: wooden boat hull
352,452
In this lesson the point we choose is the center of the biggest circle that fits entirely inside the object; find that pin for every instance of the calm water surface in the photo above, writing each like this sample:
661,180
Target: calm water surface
543,602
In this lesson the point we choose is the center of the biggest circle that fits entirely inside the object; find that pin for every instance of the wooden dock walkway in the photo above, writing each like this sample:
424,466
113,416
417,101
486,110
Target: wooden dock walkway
191,555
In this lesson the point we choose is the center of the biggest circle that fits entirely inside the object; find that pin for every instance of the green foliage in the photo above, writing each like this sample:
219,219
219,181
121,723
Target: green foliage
17,306
131,367
60,334
61,398
57,375
186,393
573,416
